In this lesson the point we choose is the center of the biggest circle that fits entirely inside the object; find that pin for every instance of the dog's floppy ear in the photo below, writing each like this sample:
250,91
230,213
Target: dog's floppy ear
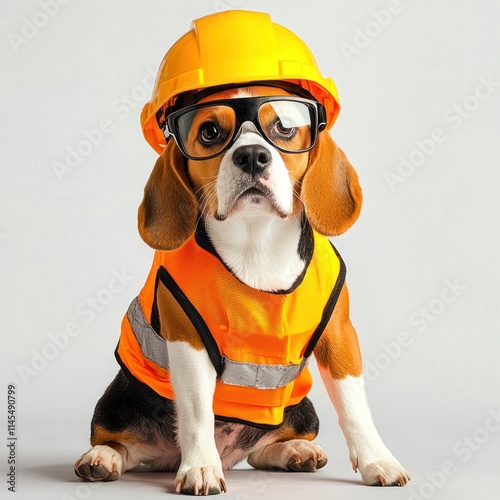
330,189
169,210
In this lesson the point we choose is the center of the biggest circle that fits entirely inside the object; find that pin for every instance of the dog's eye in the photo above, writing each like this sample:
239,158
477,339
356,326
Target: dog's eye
209,133
283,131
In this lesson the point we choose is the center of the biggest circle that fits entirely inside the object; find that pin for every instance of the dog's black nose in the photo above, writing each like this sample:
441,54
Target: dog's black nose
252,159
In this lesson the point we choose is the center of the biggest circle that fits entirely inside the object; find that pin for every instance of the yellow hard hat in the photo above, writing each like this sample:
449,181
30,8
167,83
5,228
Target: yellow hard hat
234,47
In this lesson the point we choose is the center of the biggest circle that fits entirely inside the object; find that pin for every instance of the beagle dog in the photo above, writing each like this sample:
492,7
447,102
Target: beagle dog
244,287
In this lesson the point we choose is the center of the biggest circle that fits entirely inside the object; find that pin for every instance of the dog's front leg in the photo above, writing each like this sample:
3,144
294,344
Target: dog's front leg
339,363
367,452
193,378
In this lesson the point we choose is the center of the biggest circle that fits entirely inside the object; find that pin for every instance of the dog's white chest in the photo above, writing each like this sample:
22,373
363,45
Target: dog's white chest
261,251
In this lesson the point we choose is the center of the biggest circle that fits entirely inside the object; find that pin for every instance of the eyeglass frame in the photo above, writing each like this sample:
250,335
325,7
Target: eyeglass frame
247,109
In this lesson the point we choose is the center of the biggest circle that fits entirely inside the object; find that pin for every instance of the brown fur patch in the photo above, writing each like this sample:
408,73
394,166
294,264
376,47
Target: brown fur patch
338,348
287,434
330,189
168,213
100,435
175,326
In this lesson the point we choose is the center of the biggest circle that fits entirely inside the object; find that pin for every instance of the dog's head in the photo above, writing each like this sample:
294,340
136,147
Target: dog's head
261,166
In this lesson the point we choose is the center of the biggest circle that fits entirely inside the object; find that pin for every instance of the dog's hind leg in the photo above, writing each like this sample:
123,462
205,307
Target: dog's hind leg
292,448
107,461
130,427
113,453
299,455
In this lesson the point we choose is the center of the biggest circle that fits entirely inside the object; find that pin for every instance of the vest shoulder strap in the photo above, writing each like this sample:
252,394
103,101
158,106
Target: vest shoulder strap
330,306
195,317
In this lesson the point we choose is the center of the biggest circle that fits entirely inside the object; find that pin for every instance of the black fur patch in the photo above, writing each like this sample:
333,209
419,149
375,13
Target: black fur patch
306,242
249,437
303,418
224,428
125,406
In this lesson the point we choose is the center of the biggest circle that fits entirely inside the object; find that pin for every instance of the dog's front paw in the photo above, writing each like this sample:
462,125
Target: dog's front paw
100,463
383,472
202,480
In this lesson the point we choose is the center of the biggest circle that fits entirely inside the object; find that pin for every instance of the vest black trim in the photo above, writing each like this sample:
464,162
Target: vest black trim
305,250
195,318
330,306
266,427
155,314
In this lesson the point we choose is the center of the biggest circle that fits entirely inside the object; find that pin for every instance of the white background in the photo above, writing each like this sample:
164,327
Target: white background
403,77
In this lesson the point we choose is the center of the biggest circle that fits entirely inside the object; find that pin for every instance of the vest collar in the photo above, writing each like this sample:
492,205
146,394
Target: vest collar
305,249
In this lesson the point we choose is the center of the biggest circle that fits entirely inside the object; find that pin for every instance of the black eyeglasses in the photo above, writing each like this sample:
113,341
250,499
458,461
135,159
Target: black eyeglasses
203,131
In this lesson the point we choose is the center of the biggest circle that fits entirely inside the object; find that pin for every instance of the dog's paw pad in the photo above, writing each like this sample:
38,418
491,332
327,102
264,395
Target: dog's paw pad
309,465
305,456
100,463
386,472
200,481
297,455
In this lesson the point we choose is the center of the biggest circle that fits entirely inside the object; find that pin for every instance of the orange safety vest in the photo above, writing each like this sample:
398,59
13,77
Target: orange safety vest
259,342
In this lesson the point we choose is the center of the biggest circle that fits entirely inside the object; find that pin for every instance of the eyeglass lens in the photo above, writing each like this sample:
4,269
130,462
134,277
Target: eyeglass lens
207,130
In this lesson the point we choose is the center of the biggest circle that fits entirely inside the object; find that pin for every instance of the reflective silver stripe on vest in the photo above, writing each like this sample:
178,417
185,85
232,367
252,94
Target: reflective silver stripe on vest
259,376
152,345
